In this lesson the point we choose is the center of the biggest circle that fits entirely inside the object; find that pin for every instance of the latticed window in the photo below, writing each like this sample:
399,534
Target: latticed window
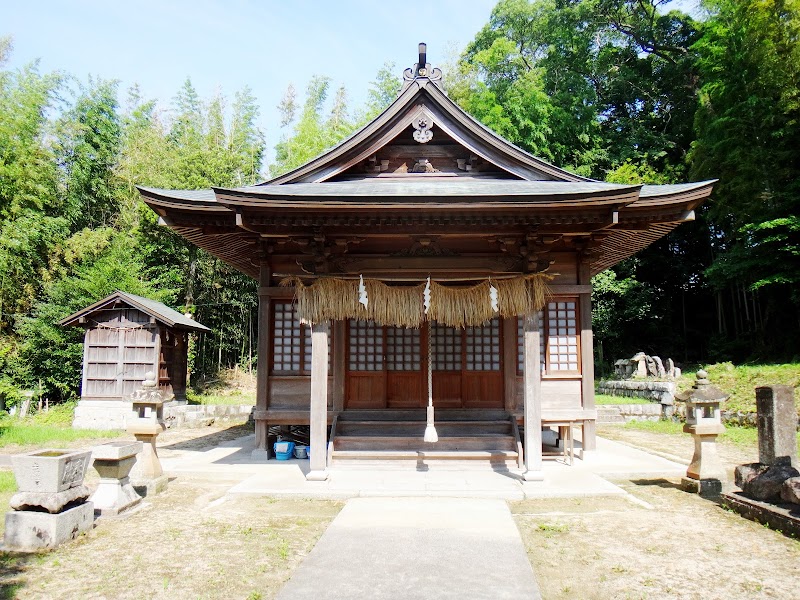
402,349
446,346
483,346
291,342
559,347
366,346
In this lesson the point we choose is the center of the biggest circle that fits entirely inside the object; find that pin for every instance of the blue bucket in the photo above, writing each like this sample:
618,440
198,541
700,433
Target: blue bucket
283,450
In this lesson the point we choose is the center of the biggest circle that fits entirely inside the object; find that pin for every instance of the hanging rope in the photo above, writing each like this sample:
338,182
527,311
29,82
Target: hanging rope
430,428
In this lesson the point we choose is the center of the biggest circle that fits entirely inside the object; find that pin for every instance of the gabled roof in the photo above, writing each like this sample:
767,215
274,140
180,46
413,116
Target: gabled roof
157,310
423,98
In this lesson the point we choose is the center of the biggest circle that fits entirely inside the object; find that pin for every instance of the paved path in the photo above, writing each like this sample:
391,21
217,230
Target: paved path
426,548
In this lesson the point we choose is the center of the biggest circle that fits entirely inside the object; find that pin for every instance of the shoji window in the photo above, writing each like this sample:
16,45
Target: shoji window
483,347
366,346
403,349
291,342
559,345
446,346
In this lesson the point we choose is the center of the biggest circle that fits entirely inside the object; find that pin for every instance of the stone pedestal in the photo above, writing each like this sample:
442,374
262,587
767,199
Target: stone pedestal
777,425
114,461
50,507
28,531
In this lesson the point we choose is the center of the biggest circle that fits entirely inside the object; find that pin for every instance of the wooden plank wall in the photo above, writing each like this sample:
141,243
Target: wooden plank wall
119,351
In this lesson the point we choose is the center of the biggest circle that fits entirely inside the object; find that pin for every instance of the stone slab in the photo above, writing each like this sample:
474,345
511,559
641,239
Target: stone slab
777,425
29,531
417,548
780,517
116,450
52,502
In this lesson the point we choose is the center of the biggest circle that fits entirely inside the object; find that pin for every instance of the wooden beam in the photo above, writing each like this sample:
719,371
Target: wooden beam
318,417
533,400
261,449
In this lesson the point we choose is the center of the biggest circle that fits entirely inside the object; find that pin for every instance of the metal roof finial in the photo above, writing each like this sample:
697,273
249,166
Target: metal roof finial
422,69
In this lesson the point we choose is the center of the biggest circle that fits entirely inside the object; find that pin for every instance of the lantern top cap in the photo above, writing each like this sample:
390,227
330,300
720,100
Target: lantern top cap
702,391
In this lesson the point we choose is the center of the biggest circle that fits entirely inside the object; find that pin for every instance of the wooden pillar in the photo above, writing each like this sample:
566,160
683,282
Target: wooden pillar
261,449
319,402
509,363
589,434
532,394
339,333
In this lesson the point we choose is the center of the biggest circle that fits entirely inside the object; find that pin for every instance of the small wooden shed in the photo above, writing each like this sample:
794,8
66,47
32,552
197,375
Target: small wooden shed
127,336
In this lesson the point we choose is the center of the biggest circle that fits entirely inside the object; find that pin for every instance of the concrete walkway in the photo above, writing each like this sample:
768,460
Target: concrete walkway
388,548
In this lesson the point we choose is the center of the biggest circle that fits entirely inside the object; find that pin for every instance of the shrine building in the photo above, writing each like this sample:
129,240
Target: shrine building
425,261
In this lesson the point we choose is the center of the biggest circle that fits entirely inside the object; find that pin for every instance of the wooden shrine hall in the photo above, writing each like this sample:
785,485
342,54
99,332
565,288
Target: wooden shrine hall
426,261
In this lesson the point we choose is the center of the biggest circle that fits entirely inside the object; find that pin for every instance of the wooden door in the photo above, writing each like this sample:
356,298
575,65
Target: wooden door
467,366
447,349
366,373
482,381
405,380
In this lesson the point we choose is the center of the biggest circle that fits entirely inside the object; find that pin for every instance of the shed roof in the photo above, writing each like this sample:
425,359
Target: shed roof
157,310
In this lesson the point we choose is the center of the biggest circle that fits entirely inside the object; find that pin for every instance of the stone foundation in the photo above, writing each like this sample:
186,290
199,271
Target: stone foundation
29,531
662,392
114,414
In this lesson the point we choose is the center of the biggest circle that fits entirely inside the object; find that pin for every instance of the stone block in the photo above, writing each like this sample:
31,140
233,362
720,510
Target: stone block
763,482
707,488
151,486
790,490
777,425
29,531
50,471
116,450
52,502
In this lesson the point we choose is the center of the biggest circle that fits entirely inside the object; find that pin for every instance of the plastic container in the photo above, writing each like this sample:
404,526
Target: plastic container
283,450
300,452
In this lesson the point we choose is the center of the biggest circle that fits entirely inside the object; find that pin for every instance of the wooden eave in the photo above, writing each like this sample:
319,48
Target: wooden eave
423,95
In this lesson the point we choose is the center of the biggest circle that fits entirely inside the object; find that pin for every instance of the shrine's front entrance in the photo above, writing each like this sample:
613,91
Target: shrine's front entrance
387,366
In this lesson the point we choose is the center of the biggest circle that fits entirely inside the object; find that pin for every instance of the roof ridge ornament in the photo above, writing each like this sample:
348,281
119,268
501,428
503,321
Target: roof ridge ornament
422,69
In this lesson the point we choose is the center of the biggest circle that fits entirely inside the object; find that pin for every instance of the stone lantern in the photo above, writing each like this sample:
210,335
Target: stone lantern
704,421
146,423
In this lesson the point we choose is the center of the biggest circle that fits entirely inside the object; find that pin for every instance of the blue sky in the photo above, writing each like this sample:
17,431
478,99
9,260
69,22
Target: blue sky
227,45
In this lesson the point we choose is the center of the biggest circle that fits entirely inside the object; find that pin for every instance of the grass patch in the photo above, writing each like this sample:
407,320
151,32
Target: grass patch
47,427
605,399
8,484
744,437
740,381
668,427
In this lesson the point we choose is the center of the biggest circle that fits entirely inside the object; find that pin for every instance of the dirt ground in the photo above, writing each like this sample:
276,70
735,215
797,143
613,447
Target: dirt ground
659,542
192,541
195,542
